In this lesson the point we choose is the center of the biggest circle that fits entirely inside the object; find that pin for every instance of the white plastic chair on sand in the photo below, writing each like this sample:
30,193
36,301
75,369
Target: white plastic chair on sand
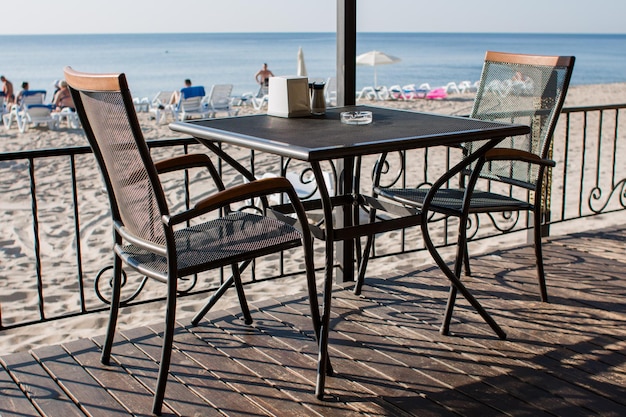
141,104
330,91
190,104
451,87
370,93
467,87
396,92
258,100
16,112
3,108
36,114
68,116
160,106
219,99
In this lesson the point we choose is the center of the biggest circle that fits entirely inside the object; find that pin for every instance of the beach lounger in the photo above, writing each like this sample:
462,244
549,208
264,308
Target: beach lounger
452,88
67,116
16,112
437,94
219,100
34,115
141,104
190,104
258,100
330,91
160,106
379,93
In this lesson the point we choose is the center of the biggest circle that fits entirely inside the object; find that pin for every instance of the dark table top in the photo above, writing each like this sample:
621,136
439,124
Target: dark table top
317,138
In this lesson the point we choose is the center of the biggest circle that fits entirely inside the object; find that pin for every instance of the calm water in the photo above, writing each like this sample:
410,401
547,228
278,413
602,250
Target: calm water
156,62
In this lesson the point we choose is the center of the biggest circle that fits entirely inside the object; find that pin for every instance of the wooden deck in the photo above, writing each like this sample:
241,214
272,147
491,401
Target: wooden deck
563,358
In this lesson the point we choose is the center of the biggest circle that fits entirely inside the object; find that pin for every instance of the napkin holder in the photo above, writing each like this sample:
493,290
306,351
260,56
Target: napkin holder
289,97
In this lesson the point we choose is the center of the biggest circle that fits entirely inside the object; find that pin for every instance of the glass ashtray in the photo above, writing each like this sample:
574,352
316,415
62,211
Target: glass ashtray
356,117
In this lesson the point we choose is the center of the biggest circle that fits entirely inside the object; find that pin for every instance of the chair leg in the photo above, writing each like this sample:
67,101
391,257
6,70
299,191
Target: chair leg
217,295
541,277
447,317
241,294
363,265
22,124
113,312
462,257
166,350
466,262
214,298
365,257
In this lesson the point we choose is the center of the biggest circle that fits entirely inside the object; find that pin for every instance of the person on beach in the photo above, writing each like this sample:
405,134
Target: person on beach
63,98
56,89
176,94
263,76
7,89
18,98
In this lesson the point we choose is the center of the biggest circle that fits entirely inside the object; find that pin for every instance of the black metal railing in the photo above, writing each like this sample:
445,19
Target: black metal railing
57,233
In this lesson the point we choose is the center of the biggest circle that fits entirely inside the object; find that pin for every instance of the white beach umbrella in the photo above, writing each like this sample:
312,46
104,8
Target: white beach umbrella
301,66
374,59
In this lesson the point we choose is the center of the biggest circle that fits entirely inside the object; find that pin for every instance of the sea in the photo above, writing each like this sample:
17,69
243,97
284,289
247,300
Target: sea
156,62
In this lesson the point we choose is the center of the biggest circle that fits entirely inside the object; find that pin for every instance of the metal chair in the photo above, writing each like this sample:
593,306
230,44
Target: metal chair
167,246
538,86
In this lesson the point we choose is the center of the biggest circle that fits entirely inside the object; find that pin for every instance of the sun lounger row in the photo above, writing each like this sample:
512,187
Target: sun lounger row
412,91
190,102
33,111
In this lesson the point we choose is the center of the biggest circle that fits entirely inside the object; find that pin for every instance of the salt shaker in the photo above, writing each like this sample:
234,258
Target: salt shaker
318,102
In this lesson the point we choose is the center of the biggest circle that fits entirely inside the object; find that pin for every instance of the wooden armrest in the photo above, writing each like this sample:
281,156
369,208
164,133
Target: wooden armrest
240,192
503,154
182,162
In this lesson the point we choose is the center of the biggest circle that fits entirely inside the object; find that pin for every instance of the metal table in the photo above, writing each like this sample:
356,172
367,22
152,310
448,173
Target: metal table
321,138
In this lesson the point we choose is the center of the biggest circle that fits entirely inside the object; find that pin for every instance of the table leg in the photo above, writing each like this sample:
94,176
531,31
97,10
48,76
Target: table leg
324,367
344,249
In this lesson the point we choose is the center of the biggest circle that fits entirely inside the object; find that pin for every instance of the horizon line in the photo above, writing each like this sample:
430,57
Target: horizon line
317,32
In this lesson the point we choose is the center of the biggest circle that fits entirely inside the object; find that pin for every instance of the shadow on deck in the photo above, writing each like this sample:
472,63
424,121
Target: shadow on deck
565,358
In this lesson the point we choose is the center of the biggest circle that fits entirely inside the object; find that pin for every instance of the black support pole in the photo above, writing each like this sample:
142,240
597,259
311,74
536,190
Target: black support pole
346,96
346,52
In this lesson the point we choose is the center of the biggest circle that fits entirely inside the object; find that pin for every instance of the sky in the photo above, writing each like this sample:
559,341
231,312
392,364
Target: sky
182,16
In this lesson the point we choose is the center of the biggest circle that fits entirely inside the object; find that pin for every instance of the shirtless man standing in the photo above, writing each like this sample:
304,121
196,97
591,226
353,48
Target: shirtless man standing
263,76
7,89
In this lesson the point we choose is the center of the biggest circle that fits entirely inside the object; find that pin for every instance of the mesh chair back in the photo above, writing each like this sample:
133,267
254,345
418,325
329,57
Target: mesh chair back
522,89
104,105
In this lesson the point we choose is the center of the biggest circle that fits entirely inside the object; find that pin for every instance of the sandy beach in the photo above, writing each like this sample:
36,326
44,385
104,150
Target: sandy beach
16,269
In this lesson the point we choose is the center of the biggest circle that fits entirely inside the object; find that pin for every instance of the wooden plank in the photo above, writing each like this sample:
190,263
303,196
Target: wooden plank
135,397
479,378
14,402
274,384
355,392
81,386
46,395
140,363
572,390
297,362
220,379
427,362
353,367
